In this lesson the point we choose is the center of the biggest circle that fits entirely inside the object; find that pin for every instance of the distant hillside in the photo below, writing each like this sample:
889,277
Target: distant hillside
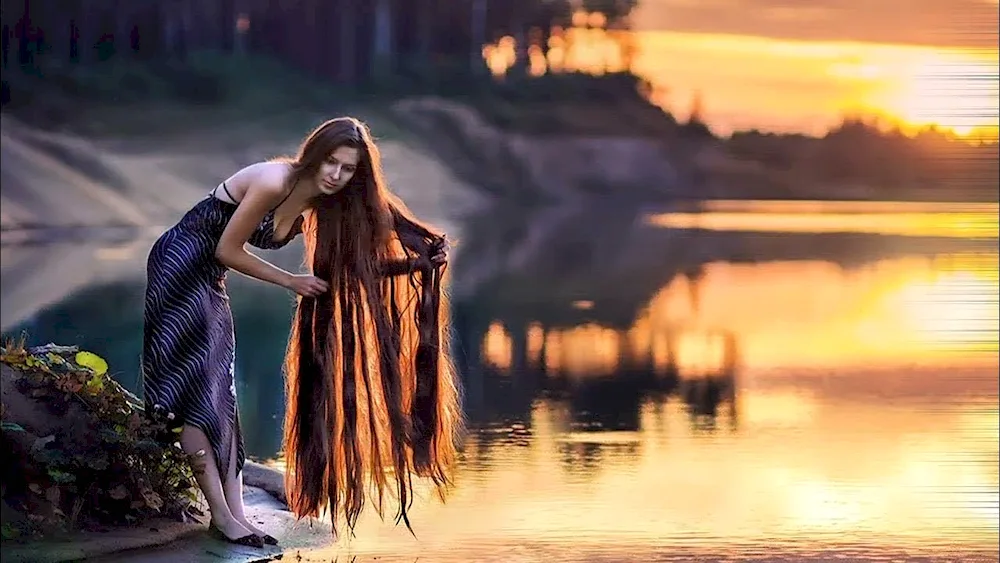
59,181
552,139
621,152
65,182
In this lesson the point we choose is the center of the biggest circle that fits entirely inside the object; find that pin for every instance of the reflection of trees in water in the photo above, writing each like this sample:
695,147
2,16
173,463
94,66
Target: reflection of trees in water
586,398
580,407
585,459
530,266
599,399
602,371
606,403
577,307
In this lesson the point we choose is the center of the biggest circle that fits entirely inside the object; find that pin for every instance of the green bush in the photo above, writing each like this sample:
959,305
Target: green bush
110,464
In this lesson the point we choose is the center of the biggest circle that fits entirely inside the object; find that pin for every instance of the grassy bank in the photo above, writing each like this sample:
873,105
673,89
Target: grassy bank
82,453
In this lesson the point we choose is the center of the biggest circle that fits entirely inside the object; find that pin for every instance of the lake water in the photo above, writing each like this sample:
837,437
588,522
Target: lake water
752,382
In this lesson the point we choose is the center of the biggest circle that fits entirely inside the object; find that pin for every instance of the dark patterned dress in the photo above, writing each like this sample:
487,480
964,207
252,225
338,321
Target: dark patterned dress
188,342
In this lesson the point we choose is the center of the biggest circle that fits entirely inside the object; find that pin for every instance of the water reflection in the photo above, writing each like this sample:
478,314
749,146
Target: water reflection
970,220
657,392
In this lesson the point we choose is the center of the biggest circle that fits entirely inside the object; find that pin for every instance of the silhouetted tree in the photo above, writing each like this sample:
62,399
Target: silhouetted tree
350,41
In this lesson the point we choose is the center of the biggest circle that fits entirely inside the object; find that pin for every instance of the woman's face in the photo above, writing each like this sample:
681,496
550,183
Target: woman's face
337,170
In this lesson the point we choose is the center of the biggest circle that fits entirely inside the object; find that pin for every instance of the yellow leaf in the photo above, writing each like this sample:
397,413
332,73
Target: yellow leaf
95,385
92,361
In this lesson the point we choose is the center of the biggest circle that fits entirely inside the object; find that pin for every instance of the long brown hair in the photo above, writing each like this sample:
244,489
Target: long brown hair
372,395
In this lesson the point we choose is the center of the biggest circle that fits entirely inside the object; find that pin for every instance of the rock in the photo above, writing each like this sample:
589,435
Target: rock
266,478
263,511
81,454
36,417
153,539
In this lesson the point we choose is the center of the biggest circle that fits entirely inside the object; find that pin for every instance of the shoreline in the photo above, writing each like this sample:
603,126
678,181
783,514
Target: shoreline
44,234
168,541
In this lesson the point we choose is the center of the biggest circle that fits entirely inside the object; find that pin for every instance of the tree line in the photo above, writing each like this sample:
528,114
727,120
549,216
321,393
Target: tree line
346,41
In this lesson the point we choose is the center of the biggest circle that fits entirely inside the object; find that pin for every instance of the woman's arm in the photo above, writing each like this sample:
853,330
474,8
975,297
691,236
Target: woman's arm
266,190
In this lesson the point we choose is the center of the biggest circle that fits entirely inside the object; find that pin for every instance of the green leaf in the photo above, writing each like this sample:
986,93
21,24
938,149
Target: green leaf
9,531
61,476
11,427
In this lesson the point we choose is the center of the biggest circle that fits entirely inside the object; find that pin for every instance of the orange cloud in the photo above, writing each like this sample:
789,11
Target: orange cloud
956,23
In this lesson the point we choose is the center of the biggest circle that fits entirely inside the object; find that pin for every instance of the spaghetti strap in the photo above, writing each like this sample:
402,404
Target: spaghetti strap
225,189
233,199
289,194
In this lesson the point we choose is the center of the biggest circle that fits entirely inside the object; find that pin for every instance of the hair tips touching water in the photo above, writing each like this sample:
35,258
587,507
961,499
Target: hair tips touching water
372,395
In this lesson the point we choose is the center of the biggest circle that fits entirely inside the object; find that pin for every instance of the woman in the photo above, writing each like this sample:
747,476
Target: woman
366,364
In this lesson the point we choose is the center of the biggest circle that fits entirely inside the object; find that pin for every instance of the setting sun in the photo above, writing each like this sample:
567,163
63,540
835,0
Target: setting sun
954,92
910,65
747,82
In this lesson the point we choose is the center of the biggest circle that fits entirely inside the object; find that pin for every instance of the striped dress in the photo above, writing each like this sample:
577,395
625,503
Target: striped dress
188,342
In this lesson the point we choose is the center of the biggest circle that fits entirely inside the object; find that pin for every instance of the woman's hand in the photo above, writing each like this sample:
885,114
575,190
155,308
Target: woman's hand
439,252
307,285
437,255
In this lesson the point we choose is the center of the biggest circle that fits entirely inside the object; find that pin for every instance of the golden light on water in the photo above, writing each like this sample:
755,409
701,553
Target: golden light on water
948,224
496,345
866,404
798,313
826,471
865,418
955,306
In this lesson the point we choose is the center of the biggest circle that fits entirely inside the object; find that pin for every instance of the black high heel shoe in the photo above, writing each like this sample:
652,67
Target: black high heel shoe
249,540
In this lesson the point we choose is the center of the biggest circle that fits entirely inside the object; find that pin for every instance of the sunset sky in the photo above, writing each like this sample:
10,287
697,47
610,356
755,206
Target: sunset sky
799,65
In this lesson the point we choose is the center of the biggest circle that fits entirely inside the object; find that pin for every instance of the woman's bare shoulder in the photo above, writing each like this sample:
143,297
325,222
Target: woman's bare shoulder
266,178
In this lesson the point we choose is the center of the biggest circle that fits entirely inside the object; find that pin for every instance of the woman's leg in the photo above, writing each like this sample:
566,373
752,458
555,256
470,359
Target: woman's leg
232,485
206,472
